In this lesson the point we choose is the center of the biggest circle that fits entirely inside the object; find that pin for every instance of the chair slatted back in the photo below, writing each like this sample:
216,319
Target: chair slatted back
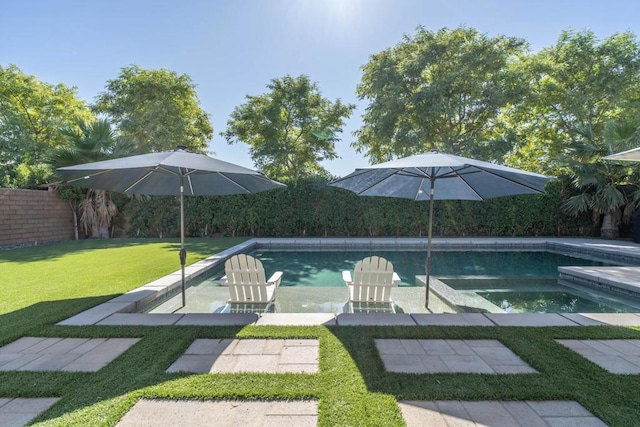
246,279
372,280
373,270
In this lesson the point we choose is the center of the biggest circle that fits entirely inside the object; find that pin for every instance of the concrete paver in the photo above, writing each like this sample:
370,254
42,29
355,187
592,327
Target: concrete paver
249,355
420,356
168,413
142,319
19,411
444,413
452,319
297,319
611,319
62,354
217,319
616,356
366,319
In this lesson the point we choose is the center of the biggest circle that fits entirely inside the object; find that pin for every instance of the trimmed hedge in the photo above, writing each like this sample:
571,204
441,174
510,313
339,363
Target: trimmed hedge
310,208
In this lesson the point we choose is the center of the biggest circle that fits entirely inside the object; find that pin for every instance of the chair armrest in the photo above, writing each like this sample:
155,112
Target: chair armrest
275,278
346,276
395,281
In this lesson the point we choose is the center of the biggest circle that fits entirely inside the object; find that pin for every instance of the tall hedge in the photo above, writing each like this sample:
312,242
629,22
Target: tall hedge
311,208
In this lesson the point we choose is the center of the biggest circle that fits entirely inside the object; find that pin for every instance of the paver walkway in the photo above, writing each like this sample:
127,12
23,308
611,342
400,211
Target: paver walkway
169,413
420,356
62,354
450,413
249,355
616,356
19,411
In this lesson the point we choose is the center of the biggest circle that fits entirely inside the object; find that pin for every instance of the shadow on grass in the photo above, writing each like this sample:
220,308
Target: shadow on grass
56,250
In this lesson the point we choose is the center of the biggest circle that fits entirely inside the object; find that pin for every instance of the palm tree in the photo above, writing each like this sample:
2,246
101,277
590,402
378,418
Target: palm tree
611,191
91,142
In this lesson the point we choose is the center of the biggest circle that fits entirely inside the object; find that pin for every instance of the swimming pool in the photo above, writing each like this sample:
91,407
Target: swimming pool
312,280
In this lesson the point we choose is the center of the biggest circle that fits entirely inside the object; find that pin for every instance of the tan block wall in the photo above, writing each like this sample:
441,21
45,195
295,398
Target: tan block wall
30,217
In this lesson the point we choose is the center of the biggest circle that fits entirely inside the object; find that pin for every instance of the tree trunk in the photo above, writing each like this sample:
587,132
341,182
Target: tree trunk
75,219
609,229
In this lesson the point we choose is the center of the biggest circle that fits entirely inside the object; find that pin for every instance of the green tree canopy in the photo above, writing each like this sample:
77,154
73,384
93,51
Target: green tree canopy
579,83
31,116
290,129
157,110
437,90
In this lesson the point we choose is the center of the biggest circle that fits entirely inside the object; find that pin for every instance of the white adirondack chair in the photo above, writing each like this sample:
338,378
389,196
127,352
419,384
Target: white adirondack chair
373,278
246,280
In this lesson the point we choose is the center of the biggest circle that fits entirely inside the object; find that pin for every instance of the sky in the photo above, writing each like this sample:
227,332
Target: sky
234,48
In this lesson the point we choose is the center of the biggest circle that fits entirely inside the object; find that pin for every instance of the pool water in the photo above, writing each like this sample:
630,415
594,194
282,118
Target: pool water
324,268
543,295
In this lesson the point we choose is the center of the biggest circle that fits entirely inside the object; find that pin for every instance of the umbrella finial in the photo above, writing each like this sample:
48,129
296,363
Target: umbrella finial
181,148
433,151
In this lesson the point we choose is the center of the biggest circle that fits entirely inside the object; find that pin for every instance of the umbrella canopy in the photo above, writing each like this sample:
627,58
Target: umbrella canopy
629,155
158,174
169,173
438,176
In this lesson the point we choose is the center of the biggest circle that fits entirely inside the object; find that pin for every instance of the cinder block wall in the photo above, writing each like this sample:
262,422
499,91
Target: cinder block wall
29,217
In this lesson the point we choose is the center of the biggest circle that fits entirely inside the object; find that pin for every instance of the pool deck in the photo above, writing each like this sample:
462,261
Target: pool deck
123,310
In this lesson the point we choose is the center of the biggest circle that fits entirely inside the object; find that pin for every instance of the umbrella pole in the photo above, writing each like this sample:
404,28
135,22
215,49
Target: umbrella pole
428,267
183,252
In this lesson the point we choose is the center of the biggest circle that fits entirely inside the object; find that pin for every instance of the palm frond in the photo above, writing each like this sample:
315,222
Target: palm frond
608,198
577,204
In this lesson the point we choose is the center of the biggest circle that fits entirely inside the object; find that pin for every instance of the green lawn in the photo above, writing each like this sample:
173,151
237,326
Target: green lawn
43,285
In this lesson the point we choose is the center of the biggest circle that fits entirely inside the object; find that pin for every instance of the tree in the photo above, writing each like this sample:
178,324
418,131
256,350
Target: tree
437,90
31,116
611,191
90,142
155,109
290,129
577,86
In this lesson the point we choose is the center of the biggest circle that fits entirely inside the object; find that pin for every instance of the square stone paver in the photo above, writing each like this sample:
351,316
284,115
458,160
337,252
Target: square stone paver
446,413
249,355
616,356
62,354
169,413
19,411
418,356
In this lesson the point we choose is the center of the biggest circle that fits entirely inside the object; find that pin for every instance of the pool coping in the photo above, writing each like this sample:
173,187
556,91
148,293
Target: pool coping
122,310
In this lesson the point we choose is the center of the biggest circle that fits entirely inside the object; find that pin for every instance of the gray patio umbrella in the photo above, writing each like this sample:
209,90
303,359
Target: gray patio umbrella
438,176
629,155
169,173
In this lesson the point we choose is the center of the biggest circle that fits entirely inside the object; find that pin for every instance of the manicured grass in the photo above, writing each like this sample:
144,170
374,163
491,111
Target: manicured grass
48,283
352,387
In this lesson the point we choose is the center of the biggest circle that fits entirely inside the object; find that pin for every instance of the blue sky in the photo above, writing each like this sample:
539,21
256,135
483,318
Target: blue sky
234,48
